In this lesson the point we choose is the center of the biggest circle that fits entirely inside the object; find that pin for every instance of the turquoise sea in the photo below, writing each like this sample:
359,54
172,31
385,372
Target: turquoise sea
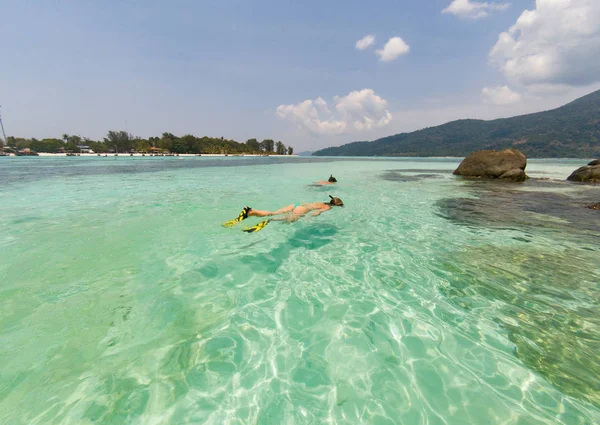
427,300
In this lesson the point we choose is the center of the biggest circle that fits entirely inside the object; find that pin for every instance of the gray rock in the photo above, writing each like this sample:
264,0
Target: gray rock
586,174
508,164
595,162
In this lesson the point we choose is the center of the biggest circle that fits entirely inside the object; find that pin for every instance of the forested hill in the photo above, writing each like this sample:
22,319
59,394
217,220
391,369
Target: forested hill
573,130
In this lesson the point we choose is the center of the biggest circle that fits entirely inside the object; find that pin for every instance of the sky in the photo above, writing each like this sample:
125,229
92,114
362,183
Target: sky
309,73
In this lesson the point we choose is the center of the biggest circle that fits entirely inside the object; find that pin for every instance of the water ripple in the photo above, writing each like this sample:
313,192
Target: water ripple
419,302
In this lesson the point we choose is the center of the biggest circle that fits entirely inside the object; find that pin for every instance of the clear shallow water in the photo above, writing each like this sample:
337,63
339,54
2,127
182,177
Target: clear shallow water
426,300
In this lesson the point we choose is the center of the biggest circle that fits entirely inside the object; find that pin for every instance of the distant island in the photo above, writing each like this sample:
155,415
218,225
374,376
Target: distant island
123,142
572,130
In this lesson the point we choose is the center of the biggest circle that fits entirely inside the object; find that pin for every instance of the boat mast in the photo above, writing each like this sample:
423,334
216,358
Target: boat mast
2,126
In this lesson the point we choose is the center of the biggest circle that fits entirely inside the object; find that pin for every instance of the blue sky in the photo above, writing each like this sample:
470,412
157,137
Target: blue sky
223,68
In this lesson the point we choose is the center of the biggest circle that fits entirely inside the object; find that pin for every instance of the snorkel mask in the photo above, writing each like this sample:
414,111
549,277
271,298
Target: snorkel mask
336,202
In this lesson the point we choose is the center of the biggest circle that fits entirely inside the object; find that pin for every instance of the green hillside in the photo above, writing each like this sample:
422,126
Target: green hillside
573,130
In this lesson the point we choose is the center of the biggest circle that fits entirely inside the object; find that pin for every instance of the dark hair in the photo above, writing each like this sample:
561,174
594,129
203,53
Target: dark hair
332,179
336,202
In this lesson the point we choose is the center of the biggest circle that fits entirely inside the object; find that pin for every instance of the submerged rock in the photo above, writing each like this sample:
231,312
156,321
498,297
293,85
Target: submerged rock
508,164
595,206
546,300
396,176
594,162
586,174
493,205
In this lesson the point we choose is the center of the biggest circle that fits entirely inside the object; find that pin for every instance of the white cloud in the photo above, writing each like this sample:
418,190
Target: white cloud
358,111
473,9
556,43
394,47
501,95
365,42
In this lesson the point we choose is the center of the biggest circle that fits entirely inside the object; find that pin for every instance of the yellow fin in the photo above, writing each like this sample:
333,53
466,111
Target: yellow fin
257,227
242,216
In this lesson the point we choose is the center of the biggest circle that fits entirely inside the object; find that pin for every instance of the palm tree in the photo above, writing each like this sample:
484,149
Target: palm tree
66,137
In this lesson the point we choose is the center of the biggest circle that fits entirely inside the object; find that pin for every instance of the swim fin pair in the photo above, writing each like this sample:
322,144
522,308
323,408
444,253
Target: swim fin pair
244,215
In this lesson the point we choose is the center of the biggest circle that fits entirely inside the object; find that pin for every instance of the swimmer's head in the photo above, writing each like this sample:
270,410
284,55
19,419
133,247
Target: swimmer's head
332,179
336,202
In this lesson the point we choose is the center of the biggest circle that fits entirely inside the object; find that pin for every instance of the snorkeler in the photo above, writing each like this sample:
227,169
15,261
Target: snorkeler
289,214
331,180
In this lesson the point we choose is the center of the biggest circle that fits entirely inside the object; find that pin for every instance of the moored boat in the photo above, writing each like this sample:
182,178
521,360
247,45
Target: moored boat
27,152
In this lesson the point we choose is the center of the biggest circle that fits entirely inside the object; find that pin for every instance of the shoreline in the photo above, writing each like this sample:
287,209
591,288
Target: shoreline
102,155
212,155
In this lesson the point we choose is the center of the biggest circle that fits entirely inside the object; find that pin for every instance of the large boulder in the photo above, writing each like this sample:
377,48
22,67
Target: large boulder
595,162
586,174
508,164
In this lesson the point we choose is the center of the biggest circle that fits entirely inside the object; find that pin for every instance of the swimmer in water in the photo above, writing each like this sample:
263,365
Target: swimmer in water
331,180
289,214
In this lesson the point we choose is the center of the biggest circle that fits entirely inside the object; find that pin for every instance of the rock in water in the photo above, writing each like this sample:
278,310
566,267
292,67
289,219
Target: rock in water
594,206
586,174
516,175
595,162
508,164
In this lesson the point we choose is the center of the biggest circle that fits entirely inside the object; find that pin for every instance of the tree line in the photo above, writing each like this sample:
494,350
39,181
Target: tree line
124,142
